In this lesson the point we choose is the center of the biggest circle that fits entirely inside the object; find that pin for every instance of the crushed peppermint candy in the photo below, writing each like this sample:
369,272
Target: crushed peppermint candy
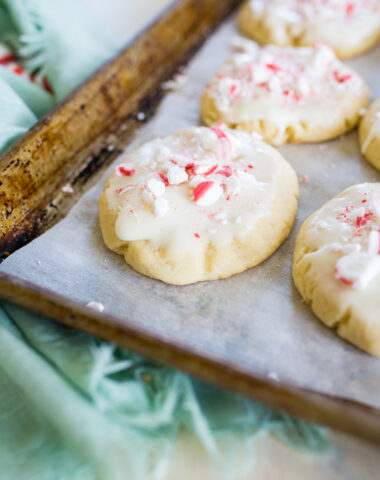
155,187
98,306
147,197
125,170
274,376
67,188
357,269
298,11
281,81
290,73
121,191
203,176
358,222
161,207
226,171
164,178
176,83
225,143
207,193
177,175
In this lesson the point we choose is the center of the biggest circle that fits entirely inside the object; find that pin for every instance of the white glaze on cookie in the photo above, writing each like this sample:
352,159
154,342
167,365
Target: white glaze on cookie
346,233
297,11
303,88
201,185
348,26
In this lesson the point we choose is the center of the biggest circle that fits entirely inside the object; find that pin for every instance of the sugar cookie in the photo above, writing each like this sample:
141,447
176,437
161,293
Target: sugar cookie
369,134
348,27
286,94
336,265
202,204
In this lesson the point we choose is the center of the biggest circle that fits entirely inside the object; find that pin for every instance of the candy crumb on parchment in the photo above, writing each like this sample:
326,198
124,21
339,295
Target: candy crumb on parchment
99,307
67,188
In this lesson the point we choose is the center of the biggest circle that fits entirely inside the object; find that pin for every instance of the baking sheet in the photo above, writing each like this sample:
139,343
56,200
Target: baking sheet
255,320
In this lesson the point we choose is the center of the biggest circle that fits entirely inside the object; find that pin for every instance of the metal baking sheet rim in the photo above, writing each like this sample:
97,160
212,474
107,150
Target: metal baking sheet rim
340,413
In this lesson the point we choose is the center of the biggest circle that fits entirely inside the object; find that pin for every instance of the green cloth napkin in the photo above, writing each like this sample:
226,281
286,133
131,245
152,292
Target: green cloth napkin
52,38
73,407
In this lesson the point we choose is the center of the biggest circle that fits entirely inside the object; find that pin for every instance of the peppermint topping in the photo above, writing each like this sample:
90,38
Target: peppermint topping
147,197
201,180
164,178
288,74
177,175
121,191
67,188
161,207
125,170
357,269
98,306
358,224
207,193
225,144
155,187
296,11
227,171
205,169
341,78
232,184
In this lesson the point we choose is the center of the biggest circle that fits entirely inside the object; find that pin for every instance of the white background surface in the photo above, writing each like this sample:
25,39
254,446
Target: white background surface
351,459
124,18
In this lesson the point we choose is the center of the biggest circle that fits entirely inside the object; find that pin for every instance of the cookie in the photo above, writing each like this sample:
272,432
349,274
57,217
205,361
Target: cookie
202,204
348,27
336,265
286,94
369,134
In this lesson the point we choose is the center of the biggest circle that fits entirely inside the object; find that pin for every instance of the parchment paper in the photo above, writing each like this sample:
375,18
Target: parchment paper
255,320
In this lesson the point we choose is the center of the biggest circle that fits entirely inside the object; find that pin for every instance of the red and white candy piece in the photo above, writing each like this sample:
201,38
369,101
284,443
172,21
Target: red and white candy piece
161,207
225,143
121,191
177,175
155,187
206,193
125,170
357,269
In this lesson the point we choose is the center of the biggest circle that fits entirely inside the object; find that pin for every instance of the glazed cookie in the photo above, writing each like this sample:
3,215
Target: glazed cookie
336,265
348,27
369,134
202,204
286,94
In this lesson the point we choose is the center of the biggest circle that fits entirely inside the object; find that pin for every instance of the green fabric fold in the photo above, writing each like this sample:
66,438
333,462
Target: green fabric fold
110,411
31,96
16,117
59,40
